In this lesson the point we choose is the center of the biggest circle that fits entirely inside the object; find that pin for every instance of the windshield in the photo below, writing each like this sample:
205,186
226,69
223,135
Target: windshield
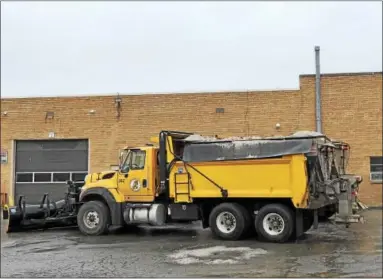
123,159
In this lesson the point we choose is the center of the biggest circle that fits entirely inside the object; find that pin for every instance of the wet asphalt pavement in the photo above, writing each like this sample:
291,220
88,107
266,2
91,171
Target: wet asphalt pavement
188,251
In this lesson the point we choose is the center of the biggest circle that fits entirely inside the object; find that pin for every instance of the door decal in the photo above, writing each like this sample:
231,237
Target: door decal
135,185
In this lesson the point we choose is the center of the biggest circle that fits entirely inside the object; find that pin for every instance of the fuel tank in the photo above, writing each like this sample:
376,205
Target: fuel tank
152,214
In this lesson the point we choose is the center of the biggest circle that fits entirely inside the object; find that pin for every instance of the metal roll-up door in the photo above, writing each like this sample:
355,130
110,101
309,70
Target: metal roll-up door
44,166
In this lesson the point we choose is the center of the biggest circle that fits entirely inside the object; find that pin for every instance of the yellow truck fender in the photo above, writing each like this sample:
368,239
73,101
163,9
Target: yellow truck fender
110,197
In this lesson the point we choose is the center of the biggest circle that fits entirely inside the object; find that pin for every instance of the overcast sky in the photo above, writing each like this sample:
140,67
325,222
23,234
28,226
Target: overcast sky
89,48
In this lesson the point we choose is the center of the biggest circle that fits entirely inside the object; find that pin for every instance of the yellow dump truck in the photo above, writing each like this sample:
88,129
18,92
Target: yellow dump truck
273,187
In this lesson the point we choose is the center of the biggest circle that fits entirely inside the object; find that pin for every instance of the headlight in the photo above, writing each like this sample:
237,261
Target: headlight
86,177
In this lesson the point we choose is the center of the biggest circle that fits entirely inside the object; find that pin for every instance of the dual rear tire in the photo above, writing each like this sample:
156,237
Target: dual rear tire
229,221
275,223
232,221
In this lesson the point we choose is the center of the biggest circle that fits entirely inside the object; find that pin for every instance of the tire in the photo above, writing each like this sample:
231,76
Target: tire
96,209
230,212
282,214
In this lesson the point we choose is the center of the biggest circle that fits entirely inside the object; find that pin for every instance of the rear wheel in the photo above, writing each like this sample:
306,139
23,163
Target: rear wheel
229,221
93,218
275,223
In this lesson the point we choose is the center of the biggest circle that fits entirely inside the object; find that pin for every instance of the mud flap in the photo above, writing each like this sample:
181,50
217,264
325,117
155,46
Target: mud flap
304,220
316,219
299,224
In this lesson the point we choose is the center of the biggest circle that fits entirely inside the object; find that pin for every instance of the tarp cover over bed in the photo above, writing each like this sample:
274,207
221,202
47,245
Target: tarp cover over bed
244,149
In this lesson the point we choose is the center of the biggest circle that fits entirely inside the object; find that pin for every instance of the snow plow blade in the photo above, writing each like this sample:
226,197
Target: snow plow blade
47,214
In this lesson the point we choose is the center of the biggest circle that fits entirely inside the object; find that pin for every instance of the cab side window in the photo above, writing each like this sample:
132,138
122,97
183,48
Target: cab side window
137,160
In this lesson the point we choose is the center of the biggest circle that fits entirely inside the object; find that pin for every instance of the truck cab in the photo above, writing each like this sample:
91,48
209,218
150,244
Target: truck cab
137,179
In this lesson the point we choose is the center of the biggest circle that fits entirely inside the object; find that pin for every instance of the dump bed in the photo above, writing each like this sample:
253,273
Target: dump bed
283,177
301,167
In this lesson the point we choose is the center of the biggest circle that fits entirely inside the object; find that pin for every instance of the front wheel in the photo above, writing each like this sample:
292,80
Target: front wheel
93,218
275,223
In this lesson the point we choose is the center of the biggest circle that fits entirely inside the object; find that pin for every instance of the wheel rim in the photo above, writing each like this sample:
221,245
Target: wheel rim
226,222
91,219
273,224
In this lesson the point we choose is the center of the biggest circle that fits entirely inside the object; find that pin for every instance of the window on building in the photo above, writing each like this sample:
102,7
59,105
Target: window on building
79,176
61,176
43,177
24,177
376,169
49,177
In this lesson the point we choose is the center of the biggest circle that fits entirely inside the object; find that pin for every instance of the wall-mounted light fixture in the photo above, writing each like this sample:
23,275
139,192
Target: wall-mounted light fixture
277,126
49,115
5,113
92,111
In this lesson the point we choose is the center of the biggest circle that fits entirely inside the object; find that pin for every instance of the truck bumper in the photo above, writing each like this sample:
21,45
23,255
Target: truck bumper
347,220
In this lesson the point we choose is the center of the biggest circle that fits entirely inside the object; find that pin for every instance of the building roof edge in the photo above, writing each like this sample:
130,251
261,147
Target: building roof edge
343,74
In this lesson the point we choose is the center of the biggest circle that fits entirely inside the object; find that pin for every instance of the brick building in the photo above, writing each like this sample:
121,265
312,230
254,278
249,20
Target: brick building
351,111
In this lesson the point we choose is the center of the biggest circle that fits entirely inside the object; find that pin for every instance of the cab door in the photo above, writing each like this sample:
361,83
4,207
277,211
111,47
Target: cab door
135,177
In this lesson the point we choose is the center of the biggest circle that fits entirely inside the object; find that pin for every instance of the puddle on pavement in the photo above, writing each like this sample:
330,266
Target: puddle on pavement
215,255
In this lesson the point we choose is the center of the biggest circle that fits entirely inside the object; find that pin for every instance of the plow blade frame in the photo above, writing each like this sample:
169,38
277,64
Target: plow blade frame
47,214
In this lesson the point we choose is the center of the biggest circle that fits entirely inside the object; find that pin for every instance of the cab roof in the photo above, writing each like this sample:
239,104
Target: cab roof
144,147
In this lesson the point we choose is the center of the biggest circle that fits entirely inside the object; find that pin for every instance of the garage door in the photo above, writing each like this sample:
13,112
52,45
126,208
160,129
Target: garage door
45,166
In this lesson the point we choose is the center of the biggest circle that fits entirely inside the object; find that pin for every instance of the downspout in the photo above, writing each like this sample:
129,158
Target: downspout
318,92
318,113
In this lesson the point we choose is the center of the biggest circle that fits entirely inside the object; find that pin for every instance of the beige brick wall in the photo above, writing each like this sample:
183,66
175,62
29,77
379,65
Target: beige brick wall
352,111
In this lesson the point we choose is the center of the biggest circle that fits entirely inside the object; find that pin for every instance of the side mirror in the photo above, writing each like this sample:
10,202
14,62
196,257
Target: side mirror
124,169
120,157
